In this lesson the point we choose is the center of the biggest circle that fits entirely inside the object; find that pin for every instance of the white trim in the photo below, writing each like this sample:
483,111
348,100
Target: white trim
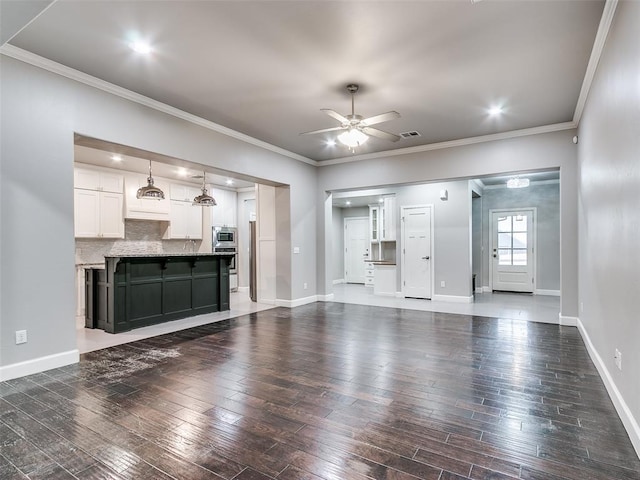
479,290
553,293
246,190
399,295
486,289
325,298
297,302
566,321
243,289
452,298
453,143
594,59
339,281
29,22
57,68
624,412
40,364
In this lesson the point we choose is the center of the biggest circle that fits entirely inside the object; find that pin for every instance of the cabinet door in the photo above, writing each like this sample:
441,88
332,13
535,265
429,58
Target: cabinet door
178,219
374,224
86,213
111,182
111,220
194,222
145,209
389,219
232,208
218,217
184,193
86,179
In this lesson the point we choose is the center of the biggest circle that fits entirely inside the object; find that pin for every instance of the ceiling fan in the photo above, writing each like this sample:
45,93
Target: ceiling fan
357,129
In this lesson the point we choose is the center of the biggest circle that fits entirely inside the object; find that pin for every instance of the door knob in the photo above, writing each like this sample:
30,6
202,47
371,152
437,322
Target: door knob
426,258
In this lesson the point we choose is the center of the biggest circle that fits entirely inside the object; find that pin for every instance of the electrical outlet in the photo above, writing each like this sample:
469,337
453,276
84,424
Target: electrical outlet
21,336
304,285
618,359
442,284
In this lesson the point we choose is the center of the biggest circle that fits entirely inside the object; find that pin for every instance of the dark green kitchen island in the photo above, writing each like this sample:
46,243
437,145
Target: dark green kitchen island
145,290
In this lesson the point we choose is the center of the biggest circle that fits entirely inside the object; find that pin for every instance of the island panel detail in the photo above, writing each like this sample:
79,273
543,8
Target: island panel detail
146,290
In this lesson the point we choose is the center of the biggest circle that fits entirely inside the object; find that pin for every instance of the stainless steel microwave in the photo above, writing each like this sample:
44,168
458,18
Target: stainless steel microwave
225,237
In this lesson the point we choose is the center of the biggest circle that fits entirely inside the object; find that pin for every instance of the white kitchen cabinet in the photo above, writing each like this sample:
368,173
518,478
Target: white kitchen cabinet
388,220
98,214
185,221
145,208
385,283
184,193
374,223
369,274
99,180
225,213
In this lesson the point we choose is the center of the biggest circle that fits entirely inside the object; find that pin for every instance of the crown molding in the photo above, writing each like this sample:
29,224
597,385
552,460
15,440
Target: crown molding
556,127
59,69
594,59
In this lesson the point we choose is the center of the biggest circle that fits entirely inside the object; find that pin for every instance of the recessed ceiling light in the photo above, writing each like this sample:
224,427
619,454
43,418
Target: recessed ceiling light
381,200
182,172
116,158
229,181
331,143
495,111
140,47
347,203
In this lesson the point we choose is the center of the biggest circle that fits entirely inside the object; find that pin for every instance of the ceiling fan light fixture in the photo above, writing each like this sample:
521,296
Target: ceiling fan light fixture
204,199
352,138
517,182
150,191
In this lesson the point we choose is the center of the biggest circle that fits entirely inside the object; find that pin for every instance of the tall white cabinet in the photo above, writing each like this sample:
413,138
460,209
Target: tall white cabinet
98,204
225,213
185,219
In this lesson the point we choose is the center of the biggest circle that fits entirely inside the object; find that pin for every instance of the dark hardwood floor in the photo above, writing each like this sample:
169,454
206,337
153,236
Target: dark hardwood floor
324,391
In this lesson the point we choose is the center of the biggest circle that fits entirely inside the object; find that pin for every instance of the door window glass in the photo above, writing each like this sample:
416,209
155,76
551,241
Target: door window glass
512,240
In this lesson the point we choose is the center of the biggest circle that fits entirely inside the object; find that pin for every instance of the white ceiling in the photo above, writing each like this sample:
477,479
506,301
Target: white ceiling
266,68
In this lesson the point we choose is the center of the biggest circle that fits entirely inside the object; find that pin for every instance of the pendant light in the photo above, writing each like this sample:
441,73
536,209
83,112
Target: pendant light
150,191
204,200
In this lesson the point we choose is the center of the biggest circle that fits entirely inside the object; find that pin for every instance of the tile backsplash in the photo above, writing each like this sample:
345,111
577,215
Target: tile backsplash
140,236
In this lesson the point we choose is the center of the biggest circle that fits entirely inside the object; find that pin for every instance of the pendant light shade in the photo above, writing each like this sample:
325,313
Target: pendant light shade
204,200
150,191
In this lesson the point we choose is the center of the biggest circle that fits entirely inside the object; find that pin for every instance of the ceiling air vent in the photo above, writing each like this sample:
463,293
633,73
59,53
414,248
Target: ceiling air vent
411,134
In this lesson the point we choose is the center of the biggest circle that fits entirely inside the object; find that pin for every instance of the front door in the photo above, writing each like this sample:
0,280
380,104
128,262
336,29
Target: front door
356,241
512,250
416,252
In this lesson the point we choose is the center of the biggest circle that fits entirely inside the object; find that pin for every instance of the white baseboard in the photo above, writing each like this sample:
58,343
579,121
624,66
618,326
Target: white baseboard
629,422
37,365
297,302
486,289
479,290
325,298
399,295
553,293
338,281
266,302
243,289
452,299
566,321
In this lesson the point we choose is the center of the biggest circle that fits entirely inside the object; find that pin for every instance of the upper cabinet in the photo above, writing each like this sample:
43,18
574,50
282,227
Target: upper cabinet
185,219
225,213
145,208
382,220
98,204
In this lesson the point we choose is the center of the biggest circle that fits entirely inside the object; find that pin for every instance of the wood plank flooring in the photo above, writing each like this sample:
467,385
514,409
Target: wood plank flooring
324,391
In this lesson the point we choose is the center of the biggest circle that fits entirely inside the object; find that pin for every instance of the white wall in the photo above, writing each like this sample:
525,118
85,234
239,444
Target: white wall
609,215
40,113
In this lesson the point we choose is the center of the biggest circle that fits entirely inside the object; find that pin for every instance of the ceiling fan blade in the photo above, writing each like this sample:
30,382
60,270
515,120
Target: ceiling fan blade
374,132
334,114
383,117
332,129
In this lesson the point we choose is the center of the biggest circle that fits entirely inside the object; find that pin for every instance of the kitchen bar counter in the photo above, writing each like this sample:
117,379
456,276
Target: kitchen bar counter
147,289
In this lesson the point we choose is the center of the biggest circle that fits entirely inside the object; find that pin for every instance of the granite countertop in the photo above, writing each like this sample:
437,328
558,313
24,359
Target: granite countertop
163,255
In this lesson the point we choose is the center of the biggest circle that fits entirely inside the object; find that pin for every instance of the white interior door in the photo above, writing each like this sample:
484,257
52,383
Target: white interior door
512,250
356,248
416,252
